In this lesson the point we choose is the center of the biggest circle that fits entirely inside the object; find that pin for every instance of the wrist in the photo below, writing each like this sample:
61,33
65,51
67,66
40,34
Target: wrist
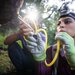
71,60
70,49
41,57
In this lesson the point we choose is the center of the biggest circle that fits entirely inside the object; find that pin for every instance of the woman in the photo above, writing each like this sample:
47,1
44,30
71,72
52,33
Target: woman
65,64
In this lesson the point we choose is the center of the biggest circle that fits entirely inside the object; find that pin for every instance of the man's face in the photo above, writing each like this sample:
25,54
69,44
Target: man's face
66,24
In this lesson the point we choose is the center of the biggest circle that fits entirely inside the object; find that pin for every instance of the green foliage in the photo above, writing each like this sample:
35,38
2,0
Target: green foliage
2,38
5,63
51,28
33,1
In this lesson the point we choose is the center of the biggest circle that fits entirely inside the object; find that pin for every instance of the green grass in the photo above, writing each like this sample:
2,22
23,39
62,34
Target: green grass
5,63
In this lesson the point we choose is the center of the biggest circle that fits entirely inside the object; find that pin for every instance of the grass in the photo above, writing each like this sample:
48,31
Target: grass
6,65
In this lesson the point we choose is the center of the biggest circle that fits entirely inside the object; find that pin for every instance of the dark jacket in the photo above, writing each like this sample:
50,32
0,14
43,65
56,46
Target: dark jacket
62,66
23,60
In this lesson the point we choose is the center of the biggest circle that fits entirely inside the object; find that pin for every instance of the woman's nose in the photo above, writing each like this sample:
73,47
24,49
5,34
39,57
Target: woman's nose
62,25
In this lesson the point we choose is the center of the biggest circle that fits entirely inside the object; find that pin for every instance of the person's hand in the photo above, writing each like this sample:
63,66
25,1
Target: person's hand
36,46
69,47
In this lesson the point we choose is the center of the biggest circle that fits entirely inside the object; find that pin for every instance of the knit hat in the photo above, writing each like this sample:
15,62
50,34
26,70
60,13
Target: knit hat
66,11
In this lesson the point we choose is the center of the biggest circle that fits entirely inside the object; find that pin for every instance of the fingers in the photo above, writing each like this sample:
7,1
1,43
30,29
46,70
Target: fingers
30,47
61,36
31,40
40,38
64,37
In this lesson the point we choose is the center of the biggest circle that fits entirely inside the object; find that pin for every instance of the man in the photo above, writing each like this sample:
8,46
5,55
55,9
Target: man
65,64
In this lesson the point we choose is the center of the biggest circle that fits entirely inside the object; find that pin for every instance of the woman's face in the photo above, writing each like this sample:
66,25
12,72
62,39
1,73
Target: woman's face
31,22
66,24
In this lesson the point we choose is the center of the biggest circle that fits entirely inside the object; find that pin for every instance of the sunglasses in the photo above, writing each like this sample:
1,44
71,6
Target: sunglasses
66,21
